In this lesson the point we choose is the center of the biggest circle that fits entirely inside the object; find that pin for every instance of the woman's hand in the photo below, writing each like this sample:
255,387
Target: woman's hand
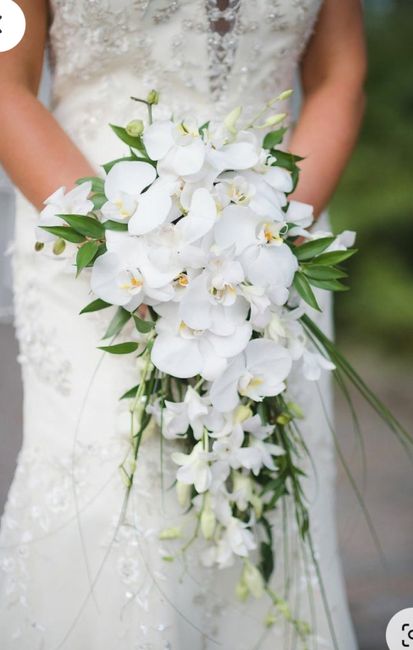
34,150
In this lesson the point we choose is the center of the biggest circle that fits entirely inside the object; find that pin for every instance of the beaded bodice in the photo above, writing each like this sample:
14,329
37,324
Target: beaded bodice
215,53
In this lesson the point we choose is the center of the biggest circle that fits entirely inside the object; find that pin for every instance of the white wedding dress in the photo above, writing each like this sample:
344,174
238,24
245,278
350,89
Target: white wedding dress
70,576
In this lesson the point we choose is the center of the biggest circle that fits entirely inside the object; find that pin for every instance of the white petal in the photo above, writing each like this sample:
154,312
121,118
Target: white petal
105,280
238,226
280,179
240,155
158,139
270,265
300,214
128,177
177,356
223,393
153,209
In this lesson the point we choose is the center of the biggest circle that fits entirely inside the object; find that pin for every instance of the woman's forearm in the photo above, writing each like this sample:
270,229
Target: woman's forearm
325,136
34,150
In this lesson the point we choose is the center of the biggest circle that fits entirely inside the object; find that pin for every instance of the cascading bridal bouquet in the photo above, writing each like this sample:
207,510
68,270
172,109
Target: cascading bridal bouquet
194,238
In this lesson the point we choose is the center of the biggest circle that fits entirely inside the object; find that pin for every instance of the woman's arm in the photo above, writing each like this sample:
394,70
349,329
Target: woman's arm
34,150
333,71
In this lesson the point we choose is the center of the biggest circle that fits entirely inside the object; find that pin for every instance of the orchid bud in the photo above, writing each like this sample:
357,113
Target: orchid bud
284,419
242,413
38,246
232,118
257,505
295,409
286,94
59,246
284,609
253,579
273,120
270,619
183,493
170,533
135,128
208,522
241,590
153,97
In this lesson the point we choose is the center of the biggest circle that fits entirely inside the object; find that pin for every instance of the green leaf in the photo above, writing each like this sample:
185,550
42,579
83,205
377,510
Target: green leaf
304,289
322,272
95,305
85,254
117,323
98,184
328,285
203,128
312,248
403,436
335,257
64,232
285,159
274,137
266,564
98,200
143,326
108,166
114,225
130,393
86,226
130,140
120,348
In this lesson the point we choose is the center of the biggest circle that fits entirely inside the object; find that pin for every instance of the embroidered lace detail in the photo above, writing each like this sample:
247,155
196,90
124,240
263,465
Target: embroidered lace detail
37,341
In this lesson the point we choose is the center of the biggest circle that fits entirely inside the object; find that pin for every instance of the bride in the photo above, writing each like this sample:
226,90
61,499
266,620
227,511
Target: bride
71,577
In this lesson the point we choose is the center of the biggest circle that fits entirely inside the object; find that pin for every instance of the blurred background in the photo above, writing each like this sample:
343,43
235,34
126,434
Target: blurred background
374,328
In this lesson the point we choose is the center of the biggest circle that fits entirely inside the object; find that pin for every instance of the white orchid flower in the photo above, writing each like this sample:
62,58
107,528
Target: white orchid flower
178,416
236,540
194,467
233,188
204,307
258,372
178,147
224,275
266,259
284,328
342,242
61,202
314,363
224,151
182,351
277,178
125,276
259,305
200,219
230,451
124,185
301,215
258,441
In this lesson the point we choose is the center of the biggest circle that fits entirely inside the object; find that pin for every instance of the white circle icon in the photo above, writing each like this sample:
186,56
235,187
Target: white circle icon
12,25
399,633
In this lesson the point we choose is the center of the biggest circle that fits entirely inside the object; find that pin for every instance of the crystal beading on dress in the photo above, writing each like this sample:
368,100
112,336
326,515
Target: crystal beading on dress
179,48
